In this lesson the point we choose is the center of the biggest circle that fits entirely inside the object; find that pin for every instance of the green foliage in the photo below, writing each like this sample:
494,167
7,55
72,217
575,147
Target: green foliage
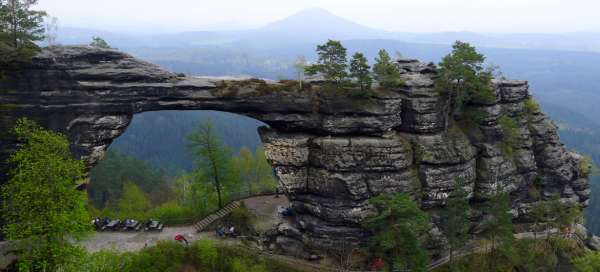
564,215
253,171
359,69
40,206
457,218
531,107
461,74
590,262
206,252
212,156
587,166
101,261
100,43
510,133
20,28
110,175
133,203
242,219
529,255
499,228
386,72
395,231
332,63
474,117
201,256
173,213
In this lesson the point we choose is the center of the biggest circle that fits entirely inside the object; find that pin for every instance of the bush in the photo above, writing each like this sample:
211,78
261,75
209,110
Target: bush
241,219
205,253
589,262
510,131
531,107
165,256
474,117
173,213
586,166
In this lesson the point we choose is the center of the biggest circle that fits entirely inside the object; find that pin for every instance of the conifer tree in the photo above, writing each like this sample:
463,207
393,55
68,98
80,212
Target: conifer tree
20,28
385,71
457,218
100,43
396,230
332,63
499,228
360,69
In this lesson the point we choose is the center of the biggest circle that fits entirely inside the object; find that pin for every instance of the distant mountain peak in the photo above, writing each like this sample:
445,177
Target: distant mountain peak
320,22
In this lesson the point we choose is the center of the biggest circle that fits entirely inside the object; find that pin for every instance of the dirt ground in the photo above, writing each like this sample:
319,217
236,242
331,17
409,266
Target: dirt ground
264,208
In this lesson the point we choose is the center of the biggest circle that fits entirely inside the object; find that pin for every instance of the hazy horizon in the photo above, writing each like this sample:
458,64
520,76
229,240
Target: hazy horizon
483,16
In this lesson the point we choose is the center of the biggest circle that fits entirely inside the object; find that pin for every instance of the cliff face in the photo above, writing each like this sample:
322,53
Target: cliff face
330,152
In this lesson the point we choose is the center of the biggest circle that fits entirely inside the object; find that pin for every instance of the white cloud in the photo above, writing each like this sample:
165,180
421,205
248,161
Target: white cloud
396,15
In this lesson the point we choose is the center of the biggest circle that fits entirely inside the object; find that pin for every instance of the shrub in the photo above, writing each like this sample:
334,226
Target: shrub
589,262
510,131
205,253
241,219
586,166
531,107
173,213
165,256
474,117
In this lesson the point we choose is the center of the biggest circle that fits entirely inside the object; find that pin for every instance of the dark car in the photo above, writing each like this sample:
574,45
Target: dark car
112,225
131,225
99,223
153,225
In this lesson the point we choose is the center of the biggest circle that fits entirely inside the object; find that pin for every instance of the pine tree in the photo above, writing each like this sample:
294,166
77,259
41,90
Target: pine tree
395,231
332,62
359,69
457,217
20,28
386,72
100,43
462,75
499,228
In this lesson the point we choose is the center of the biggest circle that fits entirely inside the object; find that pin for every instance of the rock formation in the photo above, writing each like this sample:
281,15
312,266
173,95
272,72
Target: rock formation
331,152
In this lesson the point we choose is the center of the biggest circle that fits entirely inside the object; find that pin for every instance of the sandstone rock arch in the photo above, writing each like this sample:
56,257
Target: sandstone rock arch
330,152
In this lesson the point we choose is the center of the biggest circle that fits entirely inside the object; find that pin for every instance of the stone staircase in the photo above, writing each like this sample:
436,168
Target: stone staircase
202,224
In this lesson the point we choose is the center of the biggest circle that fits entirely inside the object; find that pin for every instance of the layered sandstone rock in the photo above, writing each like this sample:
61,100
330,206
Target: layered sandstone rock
330,152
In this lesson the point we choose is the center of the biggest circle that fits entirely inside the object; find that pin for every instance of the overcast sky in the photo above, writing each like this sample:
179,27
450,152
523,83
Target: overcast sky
395,15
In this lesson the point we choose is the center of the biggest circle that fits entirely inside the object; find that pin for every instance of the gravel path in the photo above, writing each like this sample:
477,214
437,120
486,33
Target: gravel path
264,208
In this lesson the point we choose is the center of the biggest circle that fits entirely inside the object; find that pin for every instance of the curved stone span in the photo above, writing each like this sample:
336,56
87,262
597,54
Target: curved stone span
331,152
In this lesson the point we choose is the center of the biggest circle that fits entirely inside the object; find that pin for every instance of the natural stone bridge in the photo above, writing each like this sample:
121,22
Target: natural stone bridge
331,152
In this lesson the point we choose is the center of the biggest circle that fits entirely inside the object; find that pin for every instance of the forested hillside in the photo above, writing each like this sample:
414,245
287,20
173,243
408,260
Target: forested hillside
159,137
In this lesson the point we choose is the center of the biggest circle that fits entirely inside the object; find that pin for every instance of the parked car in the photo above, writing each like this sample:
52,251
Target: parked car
131,225
153,225
112,225
99,223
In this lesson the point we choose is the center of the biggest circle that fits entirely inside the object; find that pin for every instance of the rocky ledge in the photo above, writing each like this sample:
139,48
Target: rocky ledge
331,152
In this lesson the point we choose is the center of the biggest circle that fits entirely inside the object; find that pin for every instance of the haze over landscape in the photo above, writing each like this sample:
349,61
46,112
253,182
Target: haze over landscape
562,67
439,118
